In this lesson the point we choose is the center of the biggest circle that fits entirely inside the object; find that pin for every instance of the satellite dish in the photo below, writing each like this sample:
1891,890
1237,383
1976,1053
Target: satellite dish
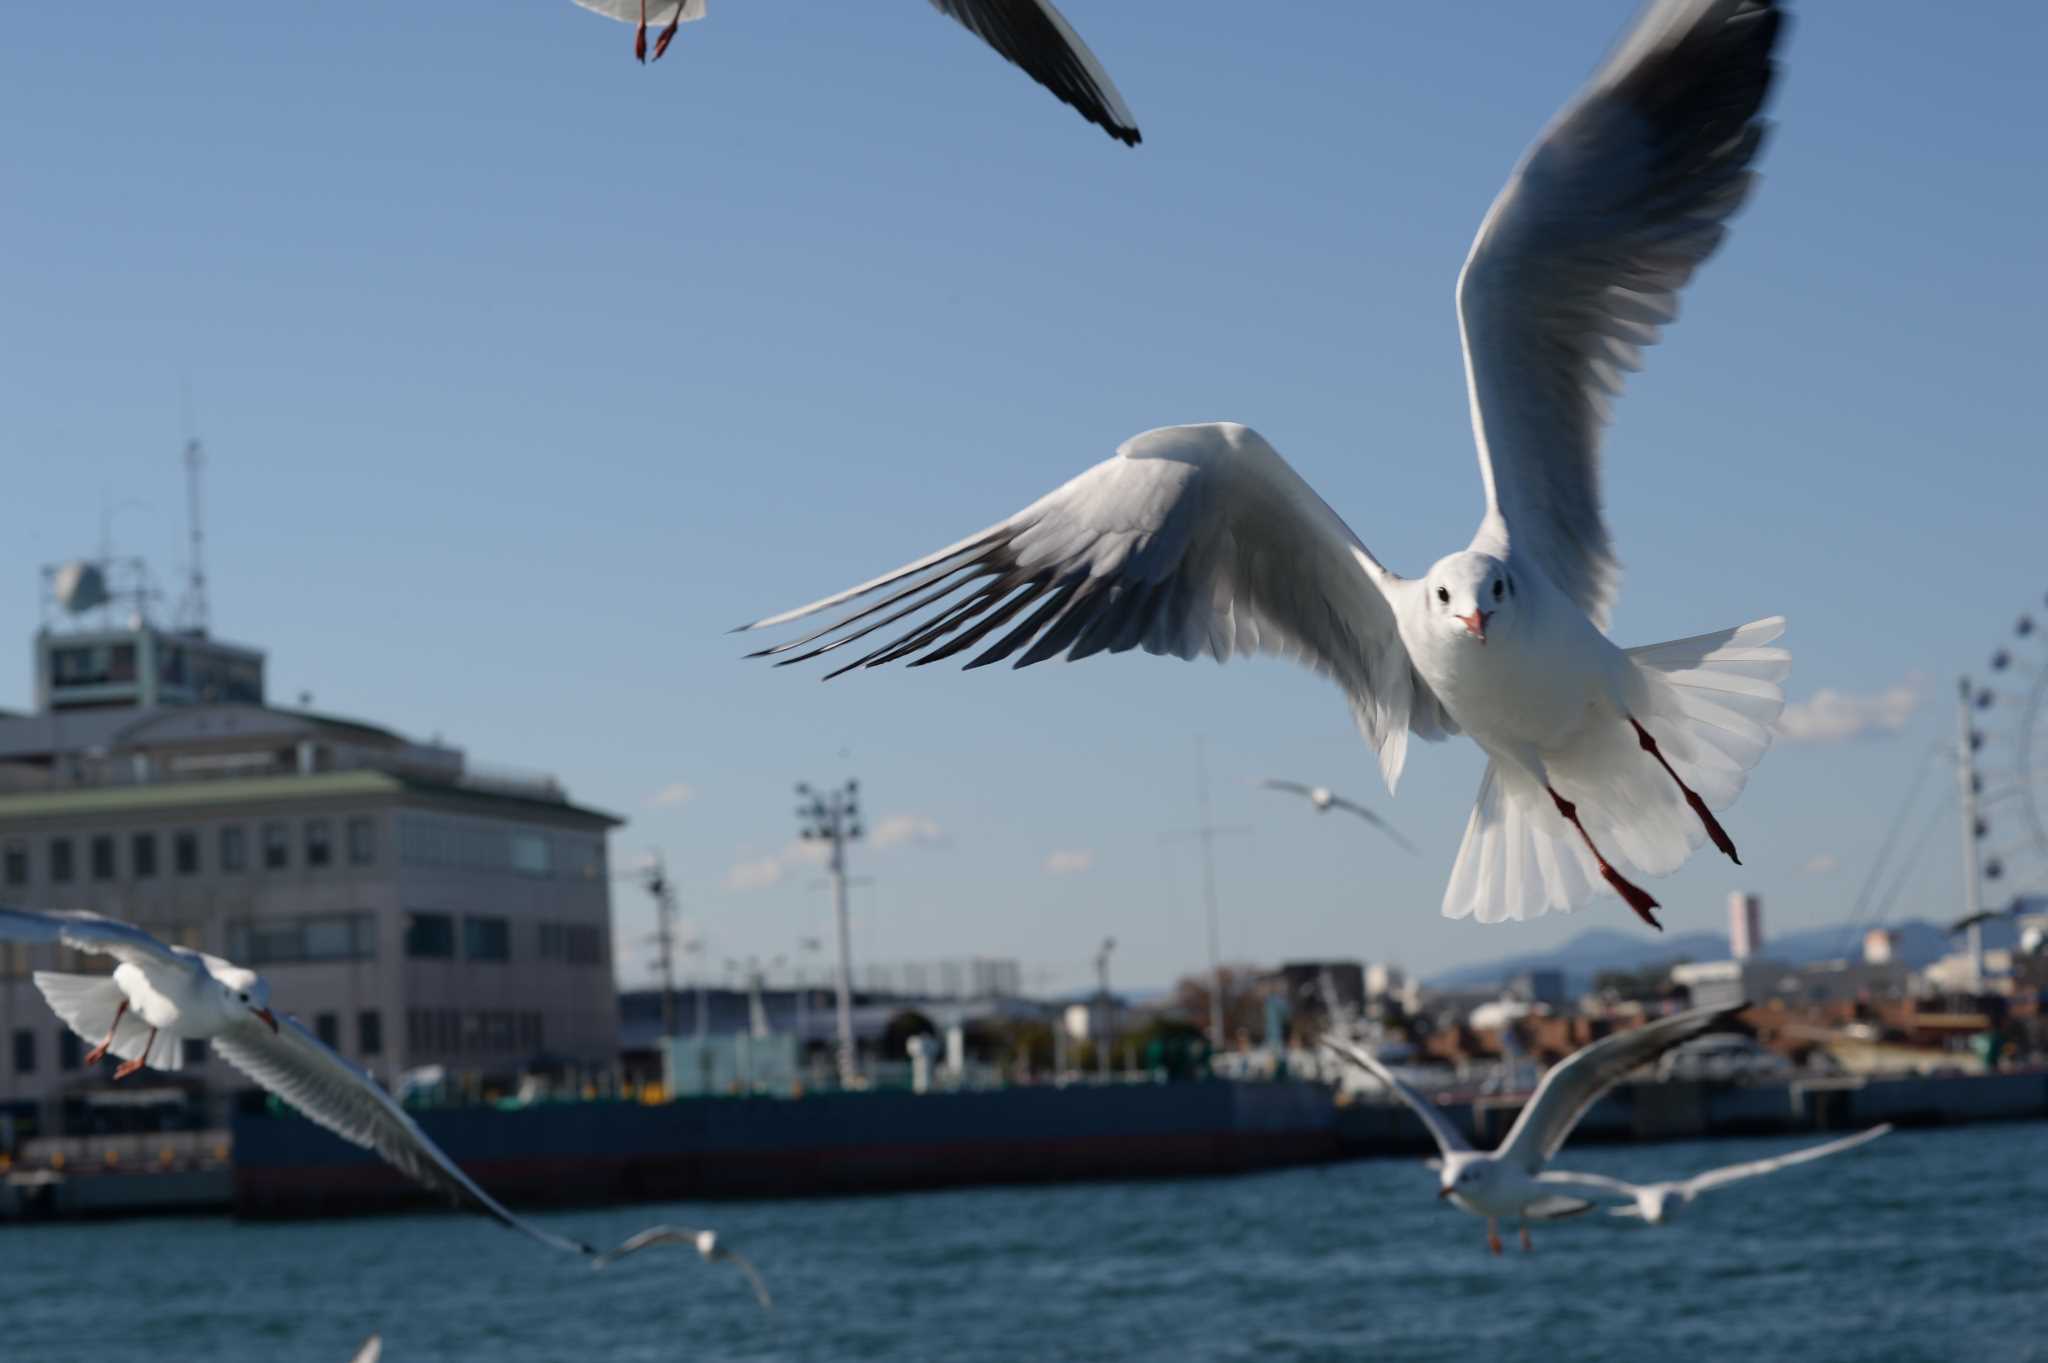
81,586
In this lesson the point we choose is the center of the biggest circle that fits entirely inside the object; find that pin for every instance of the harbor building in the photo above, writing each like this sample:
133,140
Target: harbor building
408,905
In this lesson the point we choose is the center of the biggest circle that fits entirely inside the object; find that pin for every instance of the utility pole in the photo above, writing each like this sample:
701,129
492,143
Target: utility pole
1108,1038
653,877
1206,834
1966,782
833,817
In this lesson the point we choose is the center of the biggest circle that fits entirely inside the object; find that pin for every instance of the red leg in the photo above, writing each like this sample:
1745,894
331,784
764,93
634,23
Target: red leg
640,35
1493,1235
668,34
1631,894
99,1052
1699,806
129,1067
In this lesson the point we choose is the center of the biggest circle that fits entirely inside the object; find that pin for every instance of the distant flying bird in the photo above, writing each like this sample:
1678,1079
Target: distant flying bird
1030,33
1324,799
160,996
372,1350
1657,1203
1507,1182
705,1242
1605,764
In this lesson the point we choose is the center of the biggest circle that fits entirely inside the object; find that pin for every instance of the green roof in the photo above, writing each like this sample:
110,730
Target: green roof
47,804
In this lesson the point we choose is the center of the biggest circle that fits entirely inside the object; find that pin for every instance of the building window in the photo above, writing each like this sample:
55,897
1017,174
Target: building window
142,855
234,848
327,1026
70,1050
193,1050
299,940
486,939
185,852
103,857
576,943
319,842
369,1032
15,869
362,841
62,868
277,846
24,1051
532,854
430,936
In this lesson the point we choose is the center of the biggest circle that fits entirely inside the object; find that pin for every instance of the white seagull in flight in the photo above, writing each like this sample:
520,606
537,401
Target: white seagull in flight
160,996
1324,800
1509,1182
1032,34
1606,764
1657,1203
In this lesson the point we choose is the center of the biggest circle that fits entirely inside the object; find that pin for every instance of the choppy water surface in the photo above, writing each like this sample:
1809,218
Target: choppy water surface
1924,1246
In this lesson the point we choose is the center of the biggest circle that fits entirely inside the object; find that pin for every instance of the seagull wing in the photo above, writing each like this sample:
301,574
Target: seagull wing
1576,1083
692,1236
103,936
1190,540
1446,1136
1579,263
1375,820
301,1069
1597,1182
1033,35
1733,1173
372,1350
1291,787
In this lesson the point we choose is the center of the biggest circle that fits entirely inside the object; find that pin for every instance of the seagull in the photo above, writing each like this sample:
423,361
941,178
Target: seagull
1325,800
1031,34
1605,764
706,1243
372,1350
1657,1203
1508,1181
160,996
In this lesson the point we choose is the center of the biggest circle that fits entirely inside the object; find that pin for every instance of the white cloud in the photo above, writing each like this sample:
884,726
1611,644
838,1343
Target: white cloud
1069,862
908,830
758,873
675,793
1839,716
1823,864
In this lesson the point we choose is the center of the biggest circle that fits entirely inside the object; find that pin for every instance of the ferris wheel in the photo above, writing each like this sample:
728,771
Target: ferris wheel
2008,735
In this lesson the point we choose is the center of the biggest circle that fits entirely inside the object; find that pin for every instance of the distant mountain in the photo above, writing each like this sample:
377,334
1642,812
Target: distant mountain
1920,943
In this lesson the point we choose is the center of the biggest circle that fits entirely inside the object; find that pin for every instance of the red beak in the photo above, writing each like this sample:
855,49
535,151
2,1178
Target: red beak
1475,623
267,1016
1443,1192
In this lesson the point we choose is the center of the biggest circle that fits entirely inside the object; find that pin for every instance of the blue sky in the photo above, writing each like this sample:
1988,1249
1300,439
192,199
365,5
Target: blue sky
526,372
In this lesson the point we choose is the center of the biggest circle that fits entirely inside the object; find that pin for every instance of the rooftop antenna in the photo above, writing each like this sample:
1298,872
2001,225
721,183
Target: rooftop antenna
192,613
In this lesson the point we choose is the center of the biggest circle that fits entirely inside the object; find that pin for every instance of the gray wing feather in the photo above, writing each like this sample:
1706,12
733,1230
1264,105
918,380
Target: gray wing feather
301,1069
1189,541
1579,263
1036,38
1446,1136
1578,1081
1375,820
1715,1178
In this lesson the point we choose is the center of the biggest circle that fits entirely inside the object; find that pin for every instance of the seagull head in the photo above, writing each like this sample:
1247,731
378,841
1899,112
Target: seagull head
1465,592
707,1244
1467,1174
1655,1205
247,989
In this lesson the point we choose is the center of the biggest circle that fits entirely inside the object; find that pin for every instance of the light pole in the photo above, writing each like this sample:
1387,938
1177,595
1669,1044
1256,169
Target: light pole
1108,1040
833,817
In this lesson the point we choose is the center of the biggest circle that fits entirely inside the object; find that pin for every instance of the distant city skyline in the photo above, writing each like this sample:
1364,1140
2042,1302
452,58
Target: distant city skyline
524,373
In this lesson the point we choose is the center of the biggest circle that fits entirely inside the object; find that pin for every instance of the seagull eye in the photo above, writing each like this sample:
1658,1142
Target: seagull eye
1497,589
1443,594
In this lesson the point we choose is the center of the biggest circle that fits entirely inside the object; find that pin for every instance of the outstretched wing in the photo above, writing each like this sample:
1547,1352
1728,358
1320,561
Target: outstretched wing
1190,540
92,932
301,1069
1375,820
1440,1129
1714,1178
1579,263
1576,1083
692,1236
1291,787
1033,35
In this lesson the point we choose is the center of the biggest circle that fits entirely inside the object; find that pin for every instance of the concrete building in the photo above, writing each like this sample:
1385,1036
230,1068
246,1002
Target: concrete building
408,906
1745,925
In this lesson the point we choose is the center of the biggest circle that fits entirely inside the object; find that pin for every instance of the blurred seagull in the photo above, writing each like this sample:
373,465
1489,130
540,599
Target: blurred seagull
1605,764
1508,1181
372,1350
160,996
1324,799
1030,33
1657,1203
705,1242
